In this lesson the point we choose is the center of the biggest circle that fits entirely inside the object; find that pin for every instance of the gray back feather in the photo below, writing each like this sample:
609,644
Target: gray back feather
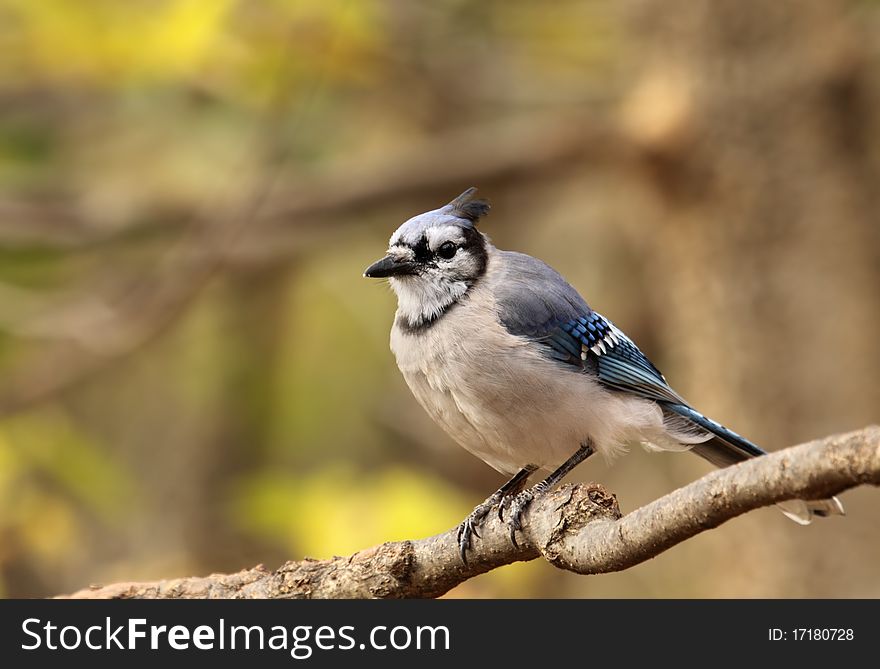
532,296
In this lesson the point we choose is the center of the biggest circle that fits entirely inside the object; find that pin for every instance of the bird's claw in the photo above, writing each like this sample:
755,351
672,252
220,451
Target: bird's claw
469,526
511,505
505,495
515,506
514,516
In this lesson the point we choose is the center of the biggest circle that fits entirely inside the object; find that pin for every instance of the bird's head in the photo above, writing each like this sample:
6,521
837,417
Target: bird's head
434,258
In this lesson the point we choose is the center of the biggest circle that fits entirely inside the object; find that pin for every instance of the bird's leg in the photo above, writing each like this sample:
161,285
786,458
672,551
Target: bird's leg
519,503
468,528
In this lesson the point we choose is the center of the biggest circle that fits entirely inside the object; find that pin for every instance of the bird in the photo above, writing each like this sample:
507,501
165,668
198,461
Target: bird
509,359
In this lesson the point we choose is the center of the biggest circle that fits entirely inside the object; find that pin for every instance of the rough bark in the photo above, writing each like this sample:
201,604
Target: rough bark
577,527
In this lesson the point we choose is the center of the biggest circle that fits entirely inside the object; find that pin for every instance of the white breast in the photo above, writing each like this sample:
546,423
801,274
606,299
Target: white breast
500,398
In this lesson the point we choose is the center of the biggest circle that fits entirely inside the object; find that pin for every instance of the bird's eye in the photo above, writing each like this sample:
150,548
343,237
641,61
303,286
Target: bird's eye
447,250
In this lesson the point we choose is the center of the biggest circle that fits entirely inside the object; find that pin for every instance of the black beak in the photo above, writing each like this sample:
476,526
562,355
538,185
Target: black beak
389,266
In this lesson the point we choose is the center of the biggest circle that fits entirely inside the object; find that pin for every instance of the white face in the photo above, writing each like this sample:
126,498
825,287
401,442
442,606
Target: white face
447,260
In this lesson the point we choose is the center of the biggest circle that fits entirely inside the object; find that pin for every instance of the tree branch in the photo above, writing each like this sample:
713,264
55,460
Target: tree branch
577,527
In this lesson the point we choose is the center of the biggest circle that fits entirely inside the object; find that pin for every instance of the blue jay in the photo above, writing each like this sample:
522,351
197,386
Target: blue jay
511,361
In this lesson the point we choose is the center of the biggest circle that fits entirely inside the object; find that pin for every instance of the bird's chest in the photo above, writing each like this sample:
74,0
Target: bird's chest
440,362
470,376
443,383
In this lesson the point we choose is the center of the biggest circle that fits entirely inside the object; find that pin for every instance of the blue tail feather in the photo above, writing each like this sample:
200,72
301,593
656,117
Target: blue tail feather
727,448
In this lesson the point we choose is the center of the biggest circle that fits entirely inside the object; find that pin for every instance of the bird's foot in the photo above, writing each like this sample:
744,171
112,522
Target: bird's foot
469,526
516,505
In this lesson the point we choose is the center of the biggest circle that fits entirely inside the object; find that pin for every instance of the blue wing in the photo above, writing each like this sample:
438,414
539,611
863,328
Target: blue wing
621,365
534,301
619,362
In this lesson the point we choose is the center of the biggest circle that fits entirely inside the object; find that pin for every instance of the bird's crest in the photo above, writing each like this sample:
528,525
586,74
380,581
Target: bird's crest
468,208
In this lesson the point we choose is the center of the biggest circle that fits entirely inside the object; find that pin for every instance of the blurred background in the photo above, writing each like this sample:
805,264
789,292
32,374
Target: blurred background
194,376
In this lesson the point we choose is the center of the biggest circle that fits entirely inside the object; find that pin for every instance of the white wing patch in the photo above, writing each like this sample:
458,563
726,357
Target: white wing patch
612,339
